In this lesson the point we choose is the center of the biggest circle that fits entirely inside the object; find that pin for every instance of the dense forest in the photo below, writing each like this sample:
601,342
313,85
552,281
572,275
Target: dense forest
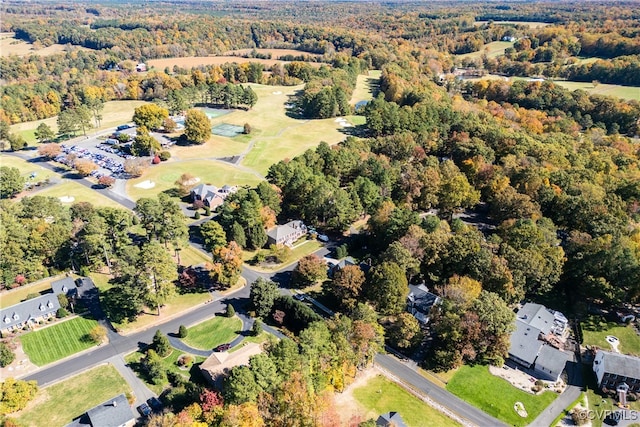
551,177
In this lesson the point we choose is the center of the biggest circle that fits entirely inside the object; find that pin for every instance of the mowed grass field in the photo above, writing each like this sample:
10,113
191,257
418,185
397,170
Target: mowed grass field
165,175
596,329
213,332
60,403
26,168
631,93
495,396
381,395
79,192
55,342
195,61
492,50
114,113
9,45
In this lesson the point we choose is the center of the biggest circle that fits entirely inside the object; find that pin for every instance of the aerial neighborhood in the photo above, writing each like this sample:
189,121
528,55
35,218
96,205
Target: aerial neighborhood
327,213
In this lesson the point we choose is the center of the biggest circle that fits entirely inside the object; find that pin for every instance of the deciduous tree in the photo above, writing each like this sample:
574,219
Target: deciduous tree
197,126
11,182
263,295
310,269
347,285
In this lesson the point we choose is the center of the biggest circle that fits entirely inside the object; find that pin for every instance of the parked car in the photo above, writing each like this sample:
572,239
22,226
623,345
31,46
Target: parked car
222,347
299,297
144,410
155,404
123,127
323,238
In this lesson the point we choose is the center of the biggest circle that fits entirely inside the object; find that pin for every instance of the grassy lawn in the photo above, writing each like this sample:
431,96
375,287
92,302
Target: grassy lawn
496,396
17,295
58,404
258,339
176,304
595,329
381,395
192,256
624,92
213,332
26,168
165,175
57,341
304,248
169,362
79,192
365,86
492,50
114,113
101,281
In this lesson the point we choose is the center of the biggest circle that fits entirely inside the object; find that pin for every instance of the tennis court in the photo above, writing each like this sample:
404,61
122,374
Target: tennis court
226,129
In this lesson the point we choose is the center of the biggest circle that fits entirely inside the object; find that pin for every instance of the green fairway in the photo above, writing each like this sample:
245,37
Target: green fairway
595,329
60,403
26,168
380,395
496,396
114,113
165,175
492,50
366,86
78,192
58,341
213,332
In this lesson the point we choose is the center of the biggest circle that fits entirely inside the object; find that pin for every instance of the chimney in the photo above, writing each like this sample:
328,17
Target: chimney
114,403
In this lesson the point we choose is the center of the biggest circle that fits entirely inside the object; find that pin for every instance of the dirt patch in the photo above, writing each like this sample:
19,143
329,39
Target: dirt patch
346,404
194,61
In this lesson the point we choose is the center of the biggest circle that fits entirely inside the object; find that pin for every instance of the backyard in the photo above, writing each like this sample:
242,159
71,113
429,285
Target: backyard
595,329
60,403
496,396
213,332
57,341
17,295
381,395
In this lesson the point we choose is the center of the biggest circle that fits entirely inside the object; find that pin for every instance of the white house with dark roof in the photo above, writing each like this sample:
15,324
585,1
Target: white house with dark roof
536,341
32,311
115,412
614,369
286,234
420,302
211,195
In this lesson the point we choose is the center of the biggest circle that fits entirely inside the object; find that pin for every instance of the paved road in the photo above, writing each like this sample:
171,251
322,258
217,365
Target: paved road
435,393
140,390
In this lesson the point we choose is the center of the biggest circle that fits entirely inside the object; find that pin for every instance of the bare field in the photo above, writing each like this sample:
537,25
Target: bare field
530,24
9,45
194,61
275,53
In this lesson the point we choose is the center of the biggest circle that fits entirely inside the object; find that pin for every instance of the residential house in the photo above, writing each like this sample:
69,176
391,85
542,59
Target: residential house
211,195
220,363
141,67
335,265
115,412
615,369
32,311
536,342
390,419
420,301
286,234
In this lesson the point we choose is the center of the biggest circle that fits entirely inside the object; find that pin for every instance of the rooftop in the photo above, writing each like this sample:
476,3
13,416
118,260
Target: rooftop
537,316
525,344
621,364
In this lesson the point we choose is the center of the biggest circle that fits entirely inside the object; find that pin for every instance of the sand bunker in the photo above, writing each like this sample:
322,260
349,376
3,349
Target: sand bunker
277,92
146,185
66,199
343,122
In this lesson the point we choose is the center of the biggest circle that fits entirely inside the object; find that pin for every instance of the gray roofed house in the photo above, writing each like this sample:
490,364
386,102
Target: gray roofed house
286,234
420,301
66,286
115,412
335,265
211,195
390,419
537,328
613,369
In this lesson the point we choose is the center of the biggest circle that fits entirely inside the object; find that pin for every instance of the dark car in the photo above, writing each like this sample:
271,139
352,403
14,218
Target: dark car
155,404
123,127
144,410
222,347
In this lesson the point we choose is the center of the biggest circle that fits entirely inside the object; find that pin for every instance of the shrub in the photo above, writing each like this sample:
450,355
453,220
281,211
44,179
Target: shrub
6,355
185,360
196,215
156,160
165,155
161,344
182,331
247,129
230,310
106,181
207,210
256,328
62,312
